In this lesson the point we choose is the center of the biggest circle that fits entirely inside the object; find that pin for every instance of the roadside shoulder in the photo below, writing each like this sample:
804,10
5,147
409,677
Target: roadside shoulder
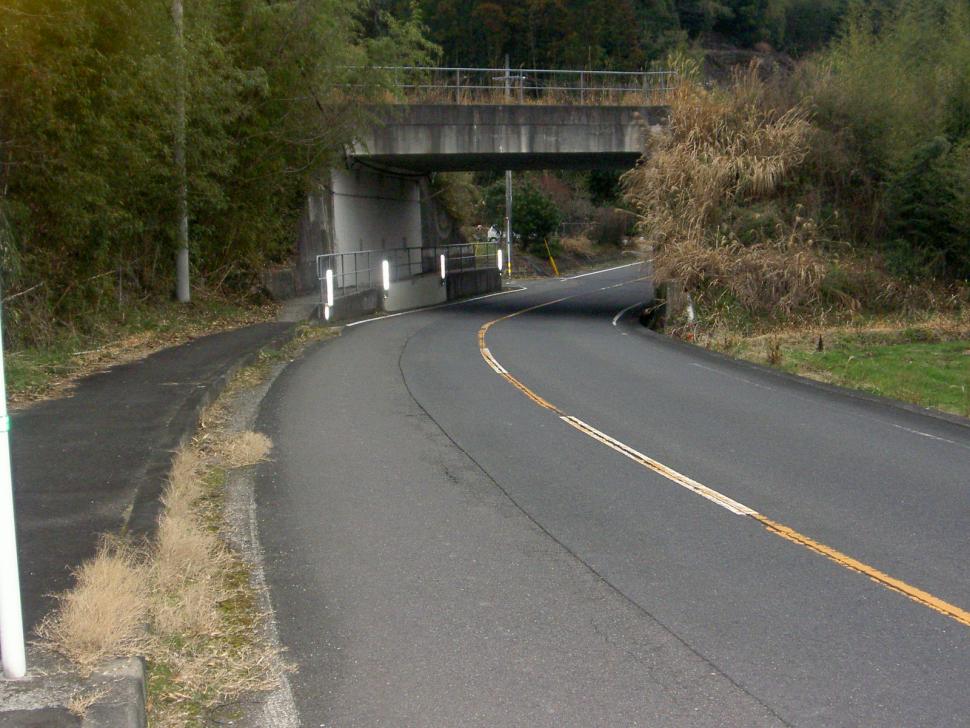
794,380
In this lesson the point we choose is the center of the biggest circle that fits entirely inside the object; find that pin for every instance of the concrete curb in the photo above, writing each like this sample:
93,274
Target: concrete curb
123,703
147,504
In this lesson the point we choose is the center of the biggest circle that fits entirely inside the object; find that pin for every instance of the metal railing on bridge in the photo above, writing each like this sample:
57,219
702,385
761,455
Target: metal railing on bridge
531,85
344,274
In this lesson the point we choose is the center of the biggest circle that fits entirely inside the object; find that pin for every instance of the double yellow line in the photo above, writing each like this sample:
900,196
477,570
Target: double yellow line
917,595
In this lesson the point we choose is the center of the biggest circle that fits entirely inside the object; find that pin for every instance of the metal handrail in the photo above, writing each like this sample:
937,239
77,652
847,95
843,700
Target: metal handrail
359,270
469,84
535,71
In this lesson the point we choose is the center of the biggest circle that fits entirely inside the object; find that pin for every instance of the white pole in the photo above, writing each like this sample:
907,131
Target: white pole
386,275
444,272
329,277
11,613
498,257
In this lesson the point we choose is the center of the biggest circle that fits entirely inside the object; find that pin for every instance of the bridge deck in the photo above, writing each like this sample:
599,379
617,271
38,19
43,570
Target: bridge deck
432,137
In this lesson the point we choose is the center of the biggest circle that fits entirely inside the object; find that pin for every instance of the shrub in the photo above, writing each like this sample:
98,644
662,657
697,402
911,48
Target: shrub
534,216
927,217
717,196
895,88
611,226
459,195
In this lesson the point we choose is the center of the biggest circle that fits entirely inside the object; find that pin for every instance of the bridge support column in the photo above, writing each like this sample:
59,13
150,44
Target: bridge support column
375,210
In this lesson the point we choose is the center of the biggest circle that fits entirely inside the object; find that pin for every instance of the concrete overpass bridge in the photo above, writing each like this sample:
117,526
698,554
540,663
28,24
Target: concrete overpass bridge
447,138
377,212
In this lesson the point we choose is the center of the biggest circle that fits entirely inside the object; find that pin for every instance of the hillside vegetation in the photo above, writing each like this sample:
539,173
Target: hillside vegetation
840,190
618,34
88,185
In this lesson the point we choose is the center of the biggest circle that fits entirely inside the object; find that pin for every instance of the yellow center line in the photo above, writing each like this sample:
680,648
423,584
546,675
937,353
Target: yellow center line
910,592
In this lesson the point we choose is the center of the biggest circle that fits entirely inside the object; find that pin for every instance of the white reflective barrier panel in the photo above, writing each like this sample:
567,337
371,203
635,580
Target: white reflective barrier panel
329,287
498,256
386,274
443,272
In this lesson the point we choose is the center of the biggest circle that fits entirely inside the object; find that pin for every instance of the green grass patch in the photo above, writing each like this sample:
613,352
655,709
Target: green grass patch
923,365
928,374
40,371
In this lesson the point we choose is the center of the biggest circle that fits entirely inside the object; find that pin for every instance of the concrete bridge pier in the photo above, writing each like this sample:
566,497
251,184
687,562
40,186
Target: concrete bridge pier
382,202
382,214
375,210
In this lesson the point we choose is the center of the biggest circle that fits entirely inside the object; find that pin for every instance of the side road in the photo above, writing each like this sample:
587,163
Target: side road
95,462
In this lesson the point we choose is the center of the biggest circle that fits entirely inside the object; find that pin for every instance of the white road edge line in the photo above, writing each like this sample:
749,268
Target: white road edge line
493,363
732,376
605,270
925,434
690,484
910,592
835,408
432,308
617,318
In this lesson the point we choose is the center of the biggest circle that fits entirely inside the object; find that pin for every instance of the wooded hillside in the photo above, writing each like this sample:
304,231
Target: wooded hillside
88,185
615,34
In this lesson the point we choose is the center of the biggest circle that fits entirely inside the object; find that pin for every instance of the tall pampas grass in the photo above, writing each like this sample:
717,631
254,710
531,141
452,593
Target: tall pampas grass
726,150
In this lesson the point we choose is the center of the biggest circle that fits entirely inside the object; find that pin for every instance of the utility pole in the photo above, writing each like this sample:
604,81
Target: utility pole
508,182
11,612
508,221
182,291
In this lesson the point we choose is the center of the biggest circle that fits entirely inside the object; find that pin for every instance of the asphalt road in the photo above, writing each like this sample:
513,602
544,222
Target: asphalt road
443,548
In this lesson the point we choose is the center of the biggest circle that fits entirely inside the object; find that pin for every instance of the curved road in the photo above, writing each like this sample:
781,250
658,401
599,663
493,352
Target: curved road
560,519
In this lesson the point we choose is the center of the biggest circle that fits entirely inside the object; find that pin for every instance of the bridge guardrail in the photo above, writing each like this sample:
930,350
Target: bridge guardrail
531,85
344,274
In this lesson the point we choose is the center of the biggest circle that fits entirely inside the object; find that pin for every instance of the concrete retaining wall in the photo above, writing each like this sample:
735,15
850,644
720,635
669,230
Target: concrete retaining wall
356,305
469,283
416,292
425,290
372,211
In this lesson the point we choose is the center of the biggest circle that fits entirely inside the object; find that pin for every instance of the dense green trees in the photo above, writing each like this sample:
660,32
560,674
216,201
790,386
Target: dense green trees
535,216
895,90
87,90
620,34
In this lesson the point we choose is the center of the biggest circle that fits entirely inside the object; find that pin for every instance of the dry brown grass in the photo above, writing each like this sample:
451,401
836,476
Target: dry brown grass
777,344
578,245
104,615
185,484
725,151
730,200
242,449
187,577
82,700
207,648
